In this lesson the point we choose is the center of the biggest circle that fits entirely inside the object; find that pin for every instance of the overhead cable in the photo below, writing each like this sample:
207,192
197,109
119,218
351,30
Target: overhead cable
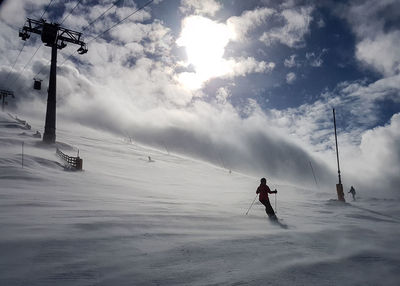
23,69
20,51
70,12
15,61
119,22
44,12
116,24
91,23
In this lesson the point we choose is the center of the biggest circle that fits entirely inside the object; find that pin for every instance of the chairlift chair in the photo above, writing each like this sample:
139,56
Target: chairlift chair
24,34
83,49
37,84
62,45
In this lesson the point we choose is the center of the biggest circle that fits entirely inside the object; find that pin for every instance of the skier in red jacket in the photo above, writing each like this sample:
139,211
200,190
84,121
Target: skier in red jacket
263,190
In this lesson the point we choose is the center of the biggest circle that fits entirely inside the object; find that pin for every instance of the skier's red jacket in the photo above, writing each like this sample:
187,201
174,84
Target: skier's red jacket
263,190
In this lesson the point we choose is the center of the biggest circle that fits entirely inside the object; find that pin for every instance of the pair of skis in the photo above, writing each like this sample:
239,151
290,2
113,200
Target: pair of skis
276,209
274,219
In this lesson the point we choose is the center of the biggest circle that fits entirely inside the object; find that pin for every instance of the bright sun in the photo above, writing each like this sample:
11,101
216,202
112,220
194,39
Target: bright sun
205,42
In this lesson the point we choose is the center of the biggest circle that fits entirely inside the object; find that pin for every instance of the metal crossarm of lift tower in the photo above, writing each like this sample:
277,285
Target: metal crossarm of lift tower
5,93
52,33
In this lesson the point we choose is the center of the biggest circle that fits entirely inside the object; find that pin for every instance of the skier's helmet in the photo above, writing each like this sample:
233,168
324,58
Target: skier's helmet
263,180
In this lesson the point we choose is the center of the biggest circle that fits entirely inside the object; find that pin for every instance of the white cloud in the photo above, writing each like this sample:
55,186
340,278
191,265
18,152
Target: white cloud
13,12
312,122
377,42
205,41
242,24
321,23
243,66
290,77
200,7
223,94
380,151
297,22
131,32
314,60
229,68
134,14
291,62
384,89
381,52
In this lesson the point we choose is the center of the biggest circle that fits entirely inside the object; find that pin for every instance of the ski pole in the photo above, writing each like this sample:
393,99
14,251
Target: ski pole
251,205
315,179
276,207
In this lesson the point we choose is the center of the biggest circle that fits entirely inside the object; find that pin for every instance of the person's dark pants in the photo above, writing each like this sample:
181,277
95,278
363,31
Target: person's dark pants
268,208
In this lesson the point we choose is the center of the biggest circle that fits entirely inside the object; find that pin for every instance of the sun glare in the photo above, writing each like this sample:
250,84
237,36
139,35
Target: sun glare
205,41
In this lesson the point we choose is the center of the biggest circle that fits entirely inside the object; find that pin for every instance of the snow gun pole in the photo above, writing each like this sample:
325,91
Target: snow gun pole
276,206
339,186
251,205
22,162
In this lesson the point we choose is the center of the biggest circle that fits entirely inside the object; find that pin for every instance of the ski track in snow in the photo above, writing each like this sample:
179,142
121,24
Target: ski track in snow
174,221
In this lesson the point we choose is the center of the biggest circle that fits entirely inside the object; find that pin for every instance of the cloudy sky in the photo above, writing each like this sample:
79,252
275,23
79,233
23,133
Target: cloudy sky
249,85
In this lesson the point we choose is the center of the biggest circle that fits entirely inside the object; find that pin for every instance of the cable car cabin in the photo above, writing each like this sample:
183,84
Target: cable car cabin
37,84
49,34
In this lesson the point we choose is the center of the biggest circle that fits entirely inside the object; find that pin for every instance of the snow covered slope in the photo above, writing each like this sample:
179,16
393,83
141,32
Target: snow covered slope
171,220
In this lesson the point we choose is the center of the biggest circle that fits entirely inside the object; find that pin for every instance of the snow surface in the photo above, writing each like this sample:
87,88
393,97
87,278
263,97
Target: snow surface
173,220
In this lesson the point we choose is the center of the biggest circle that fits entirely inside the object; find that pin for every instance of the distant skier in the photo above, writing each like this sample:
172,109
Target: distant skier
353,193
263,190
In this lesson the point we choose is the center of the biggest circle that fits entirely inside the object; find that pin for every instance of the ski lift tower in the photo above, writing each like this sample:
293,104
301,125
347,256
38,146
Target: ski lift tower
3,94
339,186
56,37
